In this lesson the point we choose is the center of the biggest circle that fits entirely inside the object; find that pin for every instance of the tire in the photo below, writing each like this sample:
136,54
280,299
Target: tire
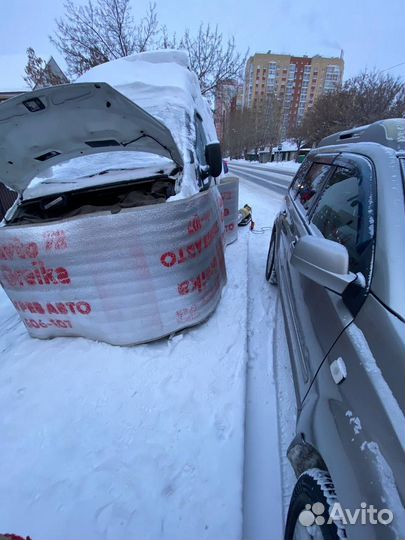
270,270
313,487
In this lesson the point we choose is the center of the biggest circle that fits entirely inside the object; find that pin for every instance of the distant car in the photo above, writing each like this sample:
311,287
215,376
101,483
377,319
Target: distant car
337,253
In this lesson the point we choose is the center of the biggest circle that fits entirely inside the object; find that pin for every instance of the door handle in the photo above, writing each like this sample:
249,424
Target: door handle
338,370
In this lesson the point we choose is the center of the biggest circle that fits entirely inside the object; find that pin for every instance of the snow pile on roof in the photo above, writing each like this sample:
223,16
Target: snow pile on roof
286,146
289,146
162,84
12,73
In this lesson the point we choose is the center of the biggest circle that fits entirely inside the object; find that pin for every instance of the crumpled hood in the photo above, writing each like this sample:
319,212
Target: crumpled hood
45,127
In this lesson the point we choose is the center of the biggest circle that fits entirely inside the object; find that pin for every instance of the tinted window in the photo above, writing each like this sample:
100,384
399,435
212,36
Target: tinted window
298,178
200,140
311,184
342,214
402,162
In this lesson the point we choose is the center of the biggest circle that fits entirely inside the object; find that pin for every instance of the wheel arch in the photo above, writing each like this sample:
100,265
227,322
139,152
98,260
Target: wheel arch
353,467
304,456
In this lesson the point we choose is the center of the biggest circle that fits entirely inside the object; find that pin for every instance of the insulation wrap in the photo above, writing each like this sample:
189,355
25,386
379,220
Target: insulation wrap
229,189
123,278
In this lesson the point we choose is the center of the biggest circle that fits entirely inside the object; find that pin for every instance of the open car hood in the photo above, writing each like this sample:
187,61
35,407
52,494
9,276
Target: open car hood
42,128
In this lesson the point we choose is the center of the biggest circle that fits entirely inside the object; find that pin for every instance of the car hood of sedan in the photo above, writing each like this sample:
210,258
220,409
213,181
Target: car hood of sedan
45,127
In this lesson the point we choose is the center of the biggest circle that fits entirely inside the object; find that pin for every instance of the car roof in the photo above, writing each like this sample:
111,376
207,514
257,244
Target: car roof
389,132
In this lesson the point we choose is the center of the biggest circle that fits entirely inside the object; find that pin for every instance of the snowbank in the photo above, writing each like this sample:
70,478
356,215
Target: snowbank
292,166
287,166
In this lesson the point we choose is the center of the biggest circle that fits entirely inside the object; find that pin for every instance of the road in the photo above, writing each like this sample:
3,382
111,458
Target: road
274,179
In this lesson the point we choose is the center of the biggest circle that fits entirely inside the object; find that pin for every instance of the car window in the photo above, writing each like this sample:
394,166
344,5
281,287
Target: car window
342,215
200,140
311,184
299,176
402,162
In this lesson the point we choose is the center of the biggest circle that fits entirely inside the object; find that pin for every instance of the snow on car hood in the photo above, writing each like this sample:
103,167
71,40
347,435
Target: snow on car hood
52,125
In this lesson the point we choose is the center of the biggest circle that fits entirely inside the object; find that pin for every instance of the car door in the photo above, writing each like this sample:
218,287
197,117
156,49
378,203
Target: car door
335,200
294,224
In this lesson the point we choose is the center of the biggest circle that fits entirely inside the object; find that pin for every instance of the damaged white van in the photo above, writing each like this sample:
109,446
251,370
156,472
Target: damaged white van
115,235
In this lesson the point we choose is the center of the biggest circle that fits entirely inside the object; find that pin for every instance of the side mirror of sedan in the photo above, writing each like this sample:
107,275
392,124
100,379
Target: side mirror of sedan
324,261
213,158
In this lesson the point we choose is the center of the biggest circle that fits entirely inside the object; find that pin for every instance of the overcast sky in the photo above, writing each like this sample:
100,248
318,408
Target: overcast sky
371,32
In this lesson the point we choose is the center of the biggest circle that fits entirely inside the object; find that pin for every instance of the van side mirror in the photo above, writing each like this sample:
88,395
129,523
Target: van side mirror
213,157
324,261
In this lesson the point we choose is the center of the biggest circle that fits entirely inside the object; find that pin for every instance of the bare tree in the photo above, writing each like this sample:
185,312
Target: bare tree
39,73
296,134
167,41
102,30
363,99
211,57
238,133
253,129
267,116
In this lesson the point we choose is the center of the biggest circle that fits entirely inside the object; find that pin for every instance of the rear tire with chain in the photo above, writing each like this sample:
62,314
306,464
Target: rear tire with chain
310,505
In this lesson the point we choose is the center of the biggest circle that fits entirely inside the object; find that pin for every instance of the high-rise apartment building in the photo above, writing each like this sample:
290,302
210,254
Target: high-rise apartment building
296,80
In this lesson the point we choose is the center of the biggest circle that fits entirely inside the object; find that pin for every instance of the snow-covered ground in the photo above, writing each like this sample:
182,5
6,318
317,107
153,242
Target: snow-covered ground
287,166
149,441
